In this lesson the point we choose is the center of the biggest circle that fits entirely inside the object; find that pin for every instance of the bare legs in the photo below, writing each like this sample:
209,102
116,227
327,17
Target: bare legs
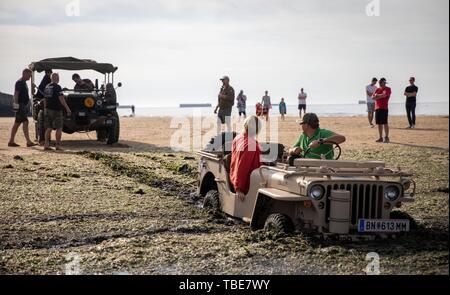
48,134
14,130
370,117
386,131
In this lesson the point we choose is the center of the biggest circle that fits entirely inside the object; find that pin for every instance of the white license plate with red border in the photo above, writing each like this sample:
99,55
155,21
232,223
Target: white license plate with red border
383,225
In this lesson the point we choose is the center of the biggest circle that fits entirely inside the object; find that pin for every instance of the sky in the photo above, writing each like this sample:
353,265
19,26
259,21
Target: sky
174,51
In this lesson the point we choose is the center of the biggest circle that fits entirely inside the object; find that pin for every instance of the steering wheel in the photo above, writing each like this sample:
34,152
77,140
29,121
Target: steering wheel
336,152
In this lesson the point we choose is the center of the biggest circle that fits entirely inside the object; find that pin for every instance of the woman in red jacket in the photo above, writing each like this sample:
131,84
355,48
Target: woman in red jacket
245,156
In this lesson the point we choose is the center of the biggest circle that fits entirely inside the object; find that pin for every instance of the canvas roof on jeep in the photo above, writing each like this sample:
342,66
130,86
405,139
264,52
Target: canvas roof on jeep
72,64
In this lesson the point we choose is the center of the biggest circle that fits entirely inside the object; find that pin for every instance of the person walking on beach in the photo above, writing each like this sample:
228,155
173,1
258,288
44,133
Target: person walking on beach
370,90
266,104
21,106
411,95
381,97
242,104
225,105
302,102
282,108
53,111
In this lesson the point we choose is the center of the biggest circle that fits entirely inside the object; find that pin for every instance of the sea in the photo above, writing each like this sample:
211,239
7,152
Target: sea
322,110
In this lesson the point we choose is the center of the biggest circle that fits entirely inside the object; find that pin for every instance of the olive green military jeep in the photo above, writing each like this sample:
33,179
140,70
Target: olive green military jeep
92,110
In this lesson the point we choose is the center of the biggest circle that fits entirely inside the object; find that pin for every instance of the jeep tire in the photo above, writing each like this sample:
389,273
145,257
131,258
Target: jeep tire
114,130
211,201
279,223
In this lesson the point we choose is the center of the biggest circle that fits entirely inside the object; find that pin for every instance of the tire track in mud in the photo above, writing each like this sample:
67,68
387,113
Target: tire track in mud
62,243
145,176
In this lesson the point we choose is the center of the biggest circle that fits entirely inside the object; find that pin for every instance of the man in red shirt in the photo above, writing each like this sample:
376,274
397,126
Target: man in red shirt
245,156
381,97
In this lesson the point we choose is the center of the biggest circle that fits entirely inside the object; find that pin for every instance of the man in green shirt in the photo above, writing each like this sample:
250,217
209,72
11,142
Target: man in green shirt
316,139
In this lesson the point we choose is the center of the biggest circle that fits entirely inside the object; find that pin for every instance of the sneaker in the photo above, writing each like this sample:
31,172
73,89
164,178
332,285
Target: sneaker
13,144
386,140
409,127
31,144
413,126
379,140
371,126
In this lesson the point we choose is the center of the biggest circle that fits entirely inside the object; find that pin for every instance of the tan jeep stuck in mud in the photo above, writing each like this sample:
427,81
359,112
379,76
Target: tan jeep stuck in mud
337,199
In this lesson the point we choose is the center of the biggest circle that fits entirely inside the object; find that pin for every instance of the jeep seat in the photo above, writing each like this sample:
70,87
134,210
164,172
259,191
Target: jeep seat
227,165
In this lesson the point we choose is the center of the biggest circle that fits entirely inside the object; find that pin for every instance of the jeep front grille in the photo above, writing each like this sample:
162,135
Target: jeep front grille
366,200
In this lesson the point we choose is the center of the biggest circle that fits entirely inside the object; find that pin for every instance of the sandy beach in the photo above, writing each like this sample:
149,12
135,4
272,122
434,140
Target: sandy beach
132,208
143,134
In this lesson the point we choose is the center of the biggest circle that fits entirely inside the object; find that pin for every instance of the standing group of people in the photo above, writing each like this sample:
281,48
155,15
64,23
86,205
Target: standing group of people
54,104
378,106
226,100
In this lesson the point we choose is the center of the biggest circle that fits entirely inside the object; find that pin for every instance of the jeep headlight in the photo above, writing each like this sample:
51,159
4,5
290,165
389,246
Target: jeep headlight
89,102
391,193
317,192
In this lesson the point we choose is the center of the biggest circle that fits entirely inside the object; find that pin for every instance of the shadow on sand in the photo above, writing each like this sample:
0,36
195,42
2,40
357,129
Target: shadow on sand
420,146
422,129
123,146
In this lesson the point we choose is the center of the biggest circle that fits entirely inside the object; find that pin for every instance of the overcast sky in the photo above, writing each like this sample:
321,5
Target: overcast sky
174,51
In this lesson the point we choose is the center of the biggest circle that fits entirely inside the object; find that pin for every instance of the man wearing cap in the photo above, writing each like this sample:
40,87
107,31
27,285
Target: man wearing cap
225,105
411,95
370,90
318,140
381,97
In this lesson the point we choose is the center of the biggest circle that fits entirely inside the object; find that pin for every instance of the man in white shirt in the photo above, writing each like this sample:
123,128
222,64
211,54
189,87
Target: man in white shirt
370,90
302,102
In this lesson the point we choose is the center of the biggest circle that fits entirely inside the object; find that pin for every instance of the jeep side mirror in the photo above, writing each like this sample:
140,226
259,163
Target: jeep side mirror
119,84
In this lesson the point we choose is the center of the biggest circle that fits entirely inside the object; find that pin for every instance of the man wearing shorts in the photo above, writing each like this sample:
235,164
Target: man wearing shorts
302,102
53,111
225,105
381,97
21,105
370,90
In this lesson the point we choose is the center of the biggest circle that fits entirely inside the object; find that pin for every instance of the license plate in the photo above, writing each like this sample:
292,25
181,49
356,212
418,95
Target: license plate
383,225
82,114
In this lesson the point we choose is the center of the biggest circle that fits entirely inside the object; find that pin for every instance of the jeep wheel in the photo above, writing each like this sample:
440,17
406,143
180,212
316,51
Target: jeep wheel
279,223
403,215
40,127
114,130
212,201
102,134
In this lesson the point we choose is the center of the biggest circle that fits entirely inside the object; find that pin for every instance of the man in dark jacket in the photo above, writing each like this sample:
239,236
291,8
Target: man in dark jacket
82,84
411,96
44,82
225,105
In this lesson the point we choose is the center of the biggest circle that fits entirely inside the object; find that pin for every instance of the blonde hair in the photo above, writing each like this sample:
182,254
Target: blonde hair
252,125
